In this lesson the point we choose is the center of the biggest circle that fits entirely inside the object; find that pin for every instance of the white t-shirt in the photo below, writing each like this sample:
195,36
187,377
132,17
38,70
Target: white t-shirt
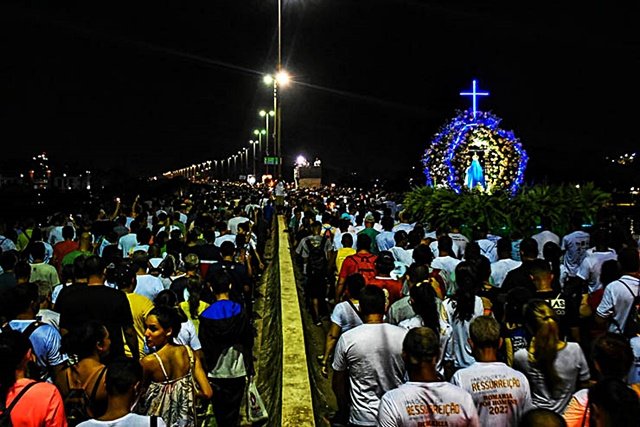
344,316
501,394
234,222
489,249
590,267
457,348
225,238
570,365
126,243
575,246
617,300
373,355
188,336
385,240
129,420
427,404
461,241
402,255
501,268
436,252
543,237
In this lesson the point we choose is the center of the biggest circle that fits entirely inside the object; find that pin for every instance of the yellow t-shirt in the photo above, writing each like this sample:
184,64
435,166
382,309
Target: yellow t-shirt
342,254
140,307
184,305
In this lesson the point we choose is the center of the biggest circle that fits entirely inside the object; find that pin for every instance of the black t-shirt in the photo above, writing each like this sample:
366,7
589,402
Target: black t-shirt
567,308
520,276
80,303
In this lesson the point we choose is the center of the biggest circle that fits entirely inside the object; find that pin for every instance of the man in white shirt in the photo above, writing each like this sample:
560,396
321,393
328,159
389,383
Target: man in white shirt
574,245
426,400
501,394
619,295
505,263
590,267
544,236
446,263
368,357
130,240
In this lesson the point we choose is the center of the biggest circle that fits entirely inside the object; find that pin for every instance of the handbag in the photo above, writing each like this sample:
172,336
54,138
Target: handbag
255,409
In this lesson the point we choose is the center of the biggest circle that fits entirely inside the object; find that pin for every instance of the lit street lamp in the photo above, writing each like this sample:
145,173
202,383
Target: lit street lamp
281,79
253,144
259,133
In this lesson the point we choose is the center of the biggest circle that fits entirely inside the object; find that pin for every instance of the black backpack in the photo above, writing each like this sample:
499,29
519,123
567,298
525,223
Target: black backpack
632,324
317,260
5,417
77,404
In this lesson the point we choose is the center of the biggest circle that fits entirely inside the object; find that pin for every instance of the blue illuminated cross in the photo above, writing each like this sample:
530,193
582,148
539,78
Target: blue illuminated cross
474,94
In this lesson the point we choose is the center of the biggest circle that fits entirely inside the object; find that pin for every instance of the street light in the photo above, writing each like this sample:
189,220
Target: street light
266,115
246,160
281,79
259,133
253,144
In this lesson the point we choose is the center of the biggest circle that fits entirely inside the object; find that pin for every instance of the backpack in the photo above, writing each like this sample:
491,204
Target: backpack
5,417
77,405
317,260
632,324
365,265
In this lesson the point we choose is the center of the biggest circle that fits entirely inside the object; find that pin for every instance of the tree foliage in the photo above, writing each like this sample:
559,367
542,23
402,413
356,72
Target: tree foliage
503,214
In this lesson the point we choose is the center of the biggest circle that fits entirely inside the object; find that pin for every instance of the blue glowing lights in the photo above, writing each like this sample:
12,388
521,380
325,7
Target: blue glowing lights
470,134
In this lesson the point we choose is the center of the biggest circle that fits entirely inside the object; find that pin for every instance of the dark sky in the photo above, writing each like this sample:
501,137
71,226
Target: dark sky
152,87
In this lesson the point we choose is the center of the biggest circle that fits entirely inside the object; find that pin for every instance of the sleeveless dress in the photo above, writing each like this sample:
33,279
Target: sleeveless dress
172,400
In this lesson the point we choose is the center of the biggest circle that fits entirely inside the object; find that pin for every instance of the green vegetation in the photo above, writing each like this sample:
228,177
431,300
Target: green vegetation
502,214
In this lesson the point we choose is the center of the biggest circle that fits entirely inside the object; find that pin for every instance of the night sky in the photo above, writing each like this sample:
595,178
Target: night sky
151,87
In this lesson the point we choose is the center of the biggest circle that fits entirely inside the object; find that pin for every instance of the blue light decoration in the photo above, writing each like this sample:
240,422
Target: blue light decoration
475,136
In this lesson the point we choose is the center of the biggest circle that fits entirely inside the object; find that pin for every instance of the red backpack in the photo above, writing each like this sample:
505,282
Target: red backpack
365,265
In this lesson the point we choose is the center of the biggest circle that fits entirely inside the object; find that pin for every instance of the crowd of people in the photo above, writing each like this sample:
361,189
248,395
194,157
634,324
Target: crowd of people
435,327
143,314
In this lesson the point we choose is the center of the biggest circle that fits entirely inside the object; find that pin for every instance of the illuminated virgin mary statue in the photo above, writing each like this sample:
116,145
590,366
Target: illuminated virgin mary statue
474,175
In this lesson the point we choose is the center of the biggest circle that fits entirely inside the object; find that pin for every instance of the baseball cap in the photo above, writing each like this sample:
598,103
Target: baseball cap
369,218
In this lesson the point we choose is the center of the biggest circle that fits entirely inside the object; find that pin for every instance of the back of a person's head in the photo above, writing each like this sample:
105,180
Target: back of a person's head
422,254
143,236
347,240
445,243
484,331
551,251
124,275
400,237
420,345
514,303
220,282
191,262
416,273
82,339
93,266
529,248
629,261
504,247
20,298
363,242
387,223
423,300
610,271
14,345
8,260
539,417
414,236
472,251
140,260
385,262
122,376
613,403
613,355
68,232
37,250
227,248
354,284
541,321
372,300
539,268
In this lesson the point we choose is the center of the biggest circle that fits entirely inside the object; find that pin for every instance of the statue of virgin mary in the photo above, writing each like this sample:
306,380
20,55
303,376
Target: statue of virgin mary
474,175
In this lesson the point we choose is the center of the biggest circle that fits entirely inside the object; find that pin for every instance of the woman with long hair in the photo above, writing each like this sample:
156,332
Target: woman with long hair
85,345
555,368
172,377
456,314
32,403
194,306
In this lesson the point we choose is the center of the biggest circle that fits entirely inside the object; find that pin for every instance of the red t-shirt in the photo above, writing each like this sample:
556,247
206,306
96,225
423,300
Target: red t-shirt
41,405
392,286
60,250
361,262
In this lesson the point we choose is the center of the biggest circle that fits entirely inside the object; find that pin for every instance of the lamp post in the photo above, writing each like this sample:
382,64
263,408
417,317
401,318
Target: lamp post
281,79
235,166
266,114
246,160
253,144
259,133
